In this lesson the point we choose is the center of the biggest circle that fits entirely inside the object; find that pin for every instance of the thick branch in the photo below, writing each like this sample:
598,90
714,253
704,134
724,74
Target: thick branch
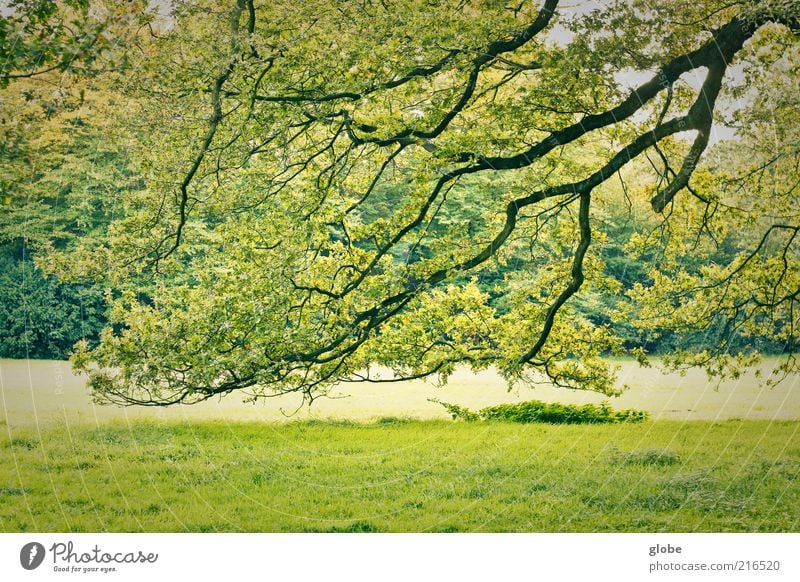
717,52
213,124
576,278
701,115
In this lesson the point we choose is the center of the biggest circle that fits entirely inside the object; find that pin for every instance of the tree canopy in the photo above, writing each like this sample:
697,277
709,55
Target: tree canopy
332,186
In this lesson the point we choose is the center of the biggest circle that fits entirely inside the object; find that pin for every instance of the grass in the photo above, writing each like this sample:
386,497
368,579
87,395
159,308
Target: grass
402,475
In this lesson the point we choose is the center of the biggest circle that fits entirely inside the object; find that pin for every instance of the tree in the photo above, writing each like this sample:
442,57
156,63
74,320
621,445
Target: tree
63,168
42,317
329,183
41,37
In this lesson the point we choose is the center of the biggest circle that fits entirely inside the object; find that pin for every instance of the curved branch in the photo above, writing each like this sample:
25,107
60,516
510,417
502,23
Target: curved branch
213,124
375,316
702,116
715,53
494,50
576,278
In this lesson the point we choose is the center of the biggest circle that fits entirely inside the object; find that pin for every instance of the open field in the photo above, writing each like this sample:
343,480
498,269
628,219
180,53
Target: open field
713,460
46,392
403,476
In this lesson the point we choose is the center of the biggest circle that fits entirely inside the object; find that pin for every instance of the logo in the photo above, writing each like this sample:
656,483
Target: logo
31,555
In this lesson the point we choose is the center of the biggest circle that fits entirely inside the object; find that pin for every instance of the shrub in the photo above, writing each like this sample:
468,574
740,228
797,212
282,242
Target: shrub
552,413
456,411
655,457
392,420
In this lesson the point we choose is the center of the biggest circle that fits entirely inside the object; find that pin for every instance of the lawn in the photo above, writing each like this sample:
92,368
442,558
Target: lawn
394,475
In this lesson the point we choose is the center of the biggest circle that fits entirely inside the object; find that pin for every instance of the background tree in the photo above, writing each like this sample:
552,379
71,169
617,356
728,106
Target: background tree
331,185
64,172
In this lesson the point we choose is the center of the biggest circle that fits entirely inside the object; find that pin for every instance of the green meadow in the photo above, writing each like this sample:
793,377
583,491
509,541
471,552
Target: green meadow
398,475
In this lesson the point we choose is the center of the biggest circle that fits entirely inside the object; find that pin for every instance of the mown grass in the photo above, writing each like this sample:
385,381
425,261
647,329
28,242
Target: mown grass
400,475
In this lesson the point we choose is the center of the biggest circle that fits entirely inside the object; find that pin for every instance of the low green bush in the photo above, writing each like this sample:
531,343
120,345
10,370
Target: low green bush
656,457
390,420
456,411
551,413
